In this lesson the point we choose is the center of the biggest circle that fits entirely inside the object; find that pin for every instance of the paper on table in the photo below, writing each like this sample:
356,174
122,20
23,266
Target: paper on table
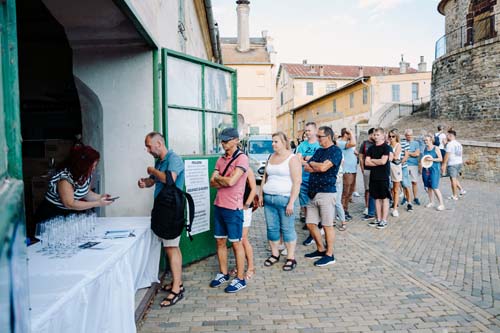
112,234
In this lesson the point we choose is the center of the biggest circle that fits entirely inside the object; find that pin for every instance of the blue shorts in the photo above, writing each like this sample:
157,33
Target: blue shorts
454,170
405,182
303,196
228,224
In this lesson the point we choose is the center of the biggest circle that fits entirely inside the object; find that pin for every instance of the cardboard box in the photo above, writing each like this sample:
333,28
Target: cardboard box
57,149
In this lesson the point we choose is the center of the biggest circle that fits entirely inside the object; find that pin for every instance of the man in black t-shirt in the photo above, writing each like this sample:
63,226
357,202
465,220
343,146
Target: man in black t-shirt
378,158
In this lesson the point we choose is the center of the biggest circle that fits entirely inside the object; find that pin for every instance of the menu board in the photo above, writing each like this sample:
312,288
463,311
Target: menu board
197,184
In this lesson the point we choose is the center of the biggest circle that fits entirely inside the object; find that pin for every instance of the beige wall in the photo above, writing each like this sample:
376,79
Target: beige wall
382,89
323,114
256,92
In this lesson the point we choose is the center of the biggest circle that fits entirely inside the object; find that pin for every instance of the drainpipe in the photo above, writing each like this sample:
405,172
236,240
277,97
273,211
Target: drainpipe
371,95
214,32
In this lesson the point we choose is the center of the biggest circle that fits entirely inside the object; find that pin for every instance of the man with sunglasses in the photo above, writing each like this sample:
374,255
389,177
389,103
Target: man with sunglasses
229,178
323,168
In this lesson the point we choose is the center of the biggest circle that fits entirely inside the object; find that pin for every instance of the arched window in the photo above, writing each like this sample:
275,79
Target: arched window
480,21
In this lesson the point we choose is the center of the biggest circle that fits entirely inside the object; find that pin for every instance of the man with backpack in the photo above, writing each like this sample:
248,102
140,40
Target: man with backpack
166,161
229,178
440,139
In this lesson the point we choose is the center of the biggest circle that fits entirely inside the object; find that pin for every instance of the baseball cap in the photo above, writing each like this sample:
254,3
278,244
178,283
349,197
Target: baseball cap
229,134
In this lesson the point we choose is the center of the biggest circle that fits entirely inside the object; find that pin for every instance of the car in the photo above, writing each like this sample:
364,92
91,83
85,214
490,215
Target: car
258,148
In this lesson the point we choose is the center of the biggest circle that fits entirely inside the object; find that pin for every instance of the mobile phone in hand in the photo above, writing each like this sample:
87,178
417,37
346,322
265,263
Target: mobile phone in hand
113,198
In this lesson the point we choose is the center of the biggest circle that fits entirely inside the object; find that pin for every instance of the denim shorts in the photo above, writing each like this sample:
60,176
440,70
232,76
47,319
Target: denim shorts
454,170
228,224
405,181
277,221
303,197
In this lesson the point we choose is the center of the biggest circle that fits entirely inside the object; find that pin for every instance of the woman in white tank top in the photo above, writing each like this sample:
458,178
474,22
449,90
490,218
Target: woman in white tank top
279,189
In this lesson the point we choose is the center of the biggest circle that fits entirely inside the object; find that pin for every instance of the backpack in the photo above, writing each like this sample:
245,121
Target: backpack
437,142
167,216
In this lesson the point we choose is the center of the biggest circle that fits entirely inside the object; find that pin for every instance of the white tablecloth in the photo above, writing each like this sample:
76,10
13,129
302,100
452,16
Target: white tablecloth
94,290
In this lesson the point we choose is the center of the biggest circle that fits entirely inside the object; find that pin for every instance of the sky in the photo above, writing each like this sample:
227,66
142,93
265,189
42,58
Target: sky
342,32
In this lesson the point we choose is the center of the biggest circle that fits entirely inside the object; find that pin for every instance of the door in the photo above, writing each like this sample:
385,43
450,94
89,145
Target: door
14,300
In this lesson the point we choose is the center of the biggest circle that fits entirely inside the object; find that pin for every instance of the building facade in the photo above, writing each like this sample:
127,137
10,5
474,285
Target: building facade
298,84
253,60
370,100
465,80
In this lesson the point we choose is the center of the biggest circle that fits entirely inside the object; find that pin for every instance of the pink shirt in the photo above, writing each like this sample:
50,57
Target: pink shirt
231,197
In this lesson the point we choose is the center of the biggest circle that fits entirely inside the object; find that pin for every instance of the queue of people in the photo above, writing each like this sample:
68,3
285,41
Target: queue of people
321,175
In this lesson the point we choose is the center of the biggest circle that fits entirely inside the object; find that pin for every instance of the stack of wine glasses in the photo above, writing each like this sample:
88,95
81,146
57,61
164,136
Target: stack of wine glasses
61,236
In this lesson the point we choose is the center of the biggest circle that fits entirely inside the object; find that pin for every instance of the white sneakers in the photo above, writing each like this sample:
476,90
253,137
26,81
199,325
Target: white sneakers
452,198
395,213
429,205
440,207
365,212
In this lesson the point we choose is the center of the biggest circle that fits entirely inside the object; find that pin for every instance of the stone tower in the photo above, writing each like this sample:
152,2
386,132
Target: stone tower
465,74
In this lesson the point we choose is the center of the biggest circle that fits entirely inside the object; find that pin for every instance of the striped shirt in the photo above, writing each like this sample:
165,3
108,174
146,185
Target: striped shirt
404,147
80,191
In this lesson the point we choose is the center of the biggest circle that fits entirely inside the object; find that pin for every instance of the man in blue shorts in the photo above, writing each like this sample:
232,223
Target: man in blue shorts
305,151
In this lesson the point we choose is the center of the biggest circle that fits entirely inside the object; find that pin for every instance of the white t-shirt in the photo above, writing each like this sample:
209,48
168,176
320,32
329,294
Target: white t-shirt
454,149
442,139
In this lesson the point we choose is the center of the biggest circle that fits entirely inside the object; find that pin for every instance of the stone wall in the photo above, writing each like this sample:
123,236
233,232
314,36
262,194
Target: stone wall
466,83
481,161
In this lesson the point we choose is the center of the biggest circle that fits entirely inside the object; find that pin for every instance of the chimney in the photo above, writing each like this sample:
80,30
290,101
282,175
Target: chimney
385,70
403,66
304,62
361,71
243,11
321,70
422,66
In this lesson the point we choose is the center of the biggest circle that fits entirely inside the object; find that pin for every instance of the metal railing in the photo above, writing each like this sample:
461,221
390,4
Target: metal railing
401,109
464,36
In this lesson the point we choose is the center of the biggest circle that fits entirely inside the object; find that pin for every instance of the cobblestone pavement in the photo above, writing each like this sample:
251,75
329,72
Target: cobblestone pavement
428,271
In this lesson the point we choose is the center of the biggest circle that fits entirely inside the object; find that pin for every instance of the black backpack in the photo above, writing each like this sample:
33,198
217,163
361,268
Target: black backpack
167,216
437,142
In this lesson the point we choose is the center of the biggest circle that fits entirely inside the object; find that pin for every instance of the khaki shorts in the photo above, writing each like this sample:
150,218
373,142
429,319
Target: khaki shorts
171,242
321,208
413,173
366,179
396,173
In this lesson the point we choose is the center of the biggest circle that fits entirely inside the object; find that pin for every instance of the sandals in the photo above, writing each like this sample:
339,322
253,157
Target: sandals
290,265
343,227
250,273
271,260
166,302
168,288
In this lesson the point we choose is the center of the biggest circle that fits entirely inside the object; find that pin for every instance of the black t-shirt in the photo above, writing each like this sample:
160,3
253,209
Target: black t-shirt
363,149
380,172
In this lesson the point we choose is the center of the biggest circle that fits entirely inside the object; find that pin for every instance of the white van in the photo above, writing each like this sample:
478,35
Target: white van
258,148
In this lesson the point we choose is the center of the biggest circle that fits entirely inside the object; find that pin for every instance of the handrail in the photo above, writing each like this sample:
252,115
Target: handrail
410,103
466,35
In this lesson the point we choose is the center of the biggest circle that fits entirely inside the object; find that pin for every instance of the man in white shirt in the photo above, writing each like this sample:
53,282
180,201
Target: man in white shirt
452,163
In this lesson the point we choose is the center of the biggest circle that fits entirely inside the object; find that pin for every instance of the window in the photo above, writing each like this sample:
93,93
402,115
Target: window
334,106
395,92
365,95
331,87
200,103
414,90
282,98
309,89
351,100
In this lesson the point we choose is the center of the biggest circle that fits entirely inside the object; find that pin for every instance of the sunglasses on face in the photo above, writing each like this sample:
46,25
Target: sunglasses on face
321,136
392,136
